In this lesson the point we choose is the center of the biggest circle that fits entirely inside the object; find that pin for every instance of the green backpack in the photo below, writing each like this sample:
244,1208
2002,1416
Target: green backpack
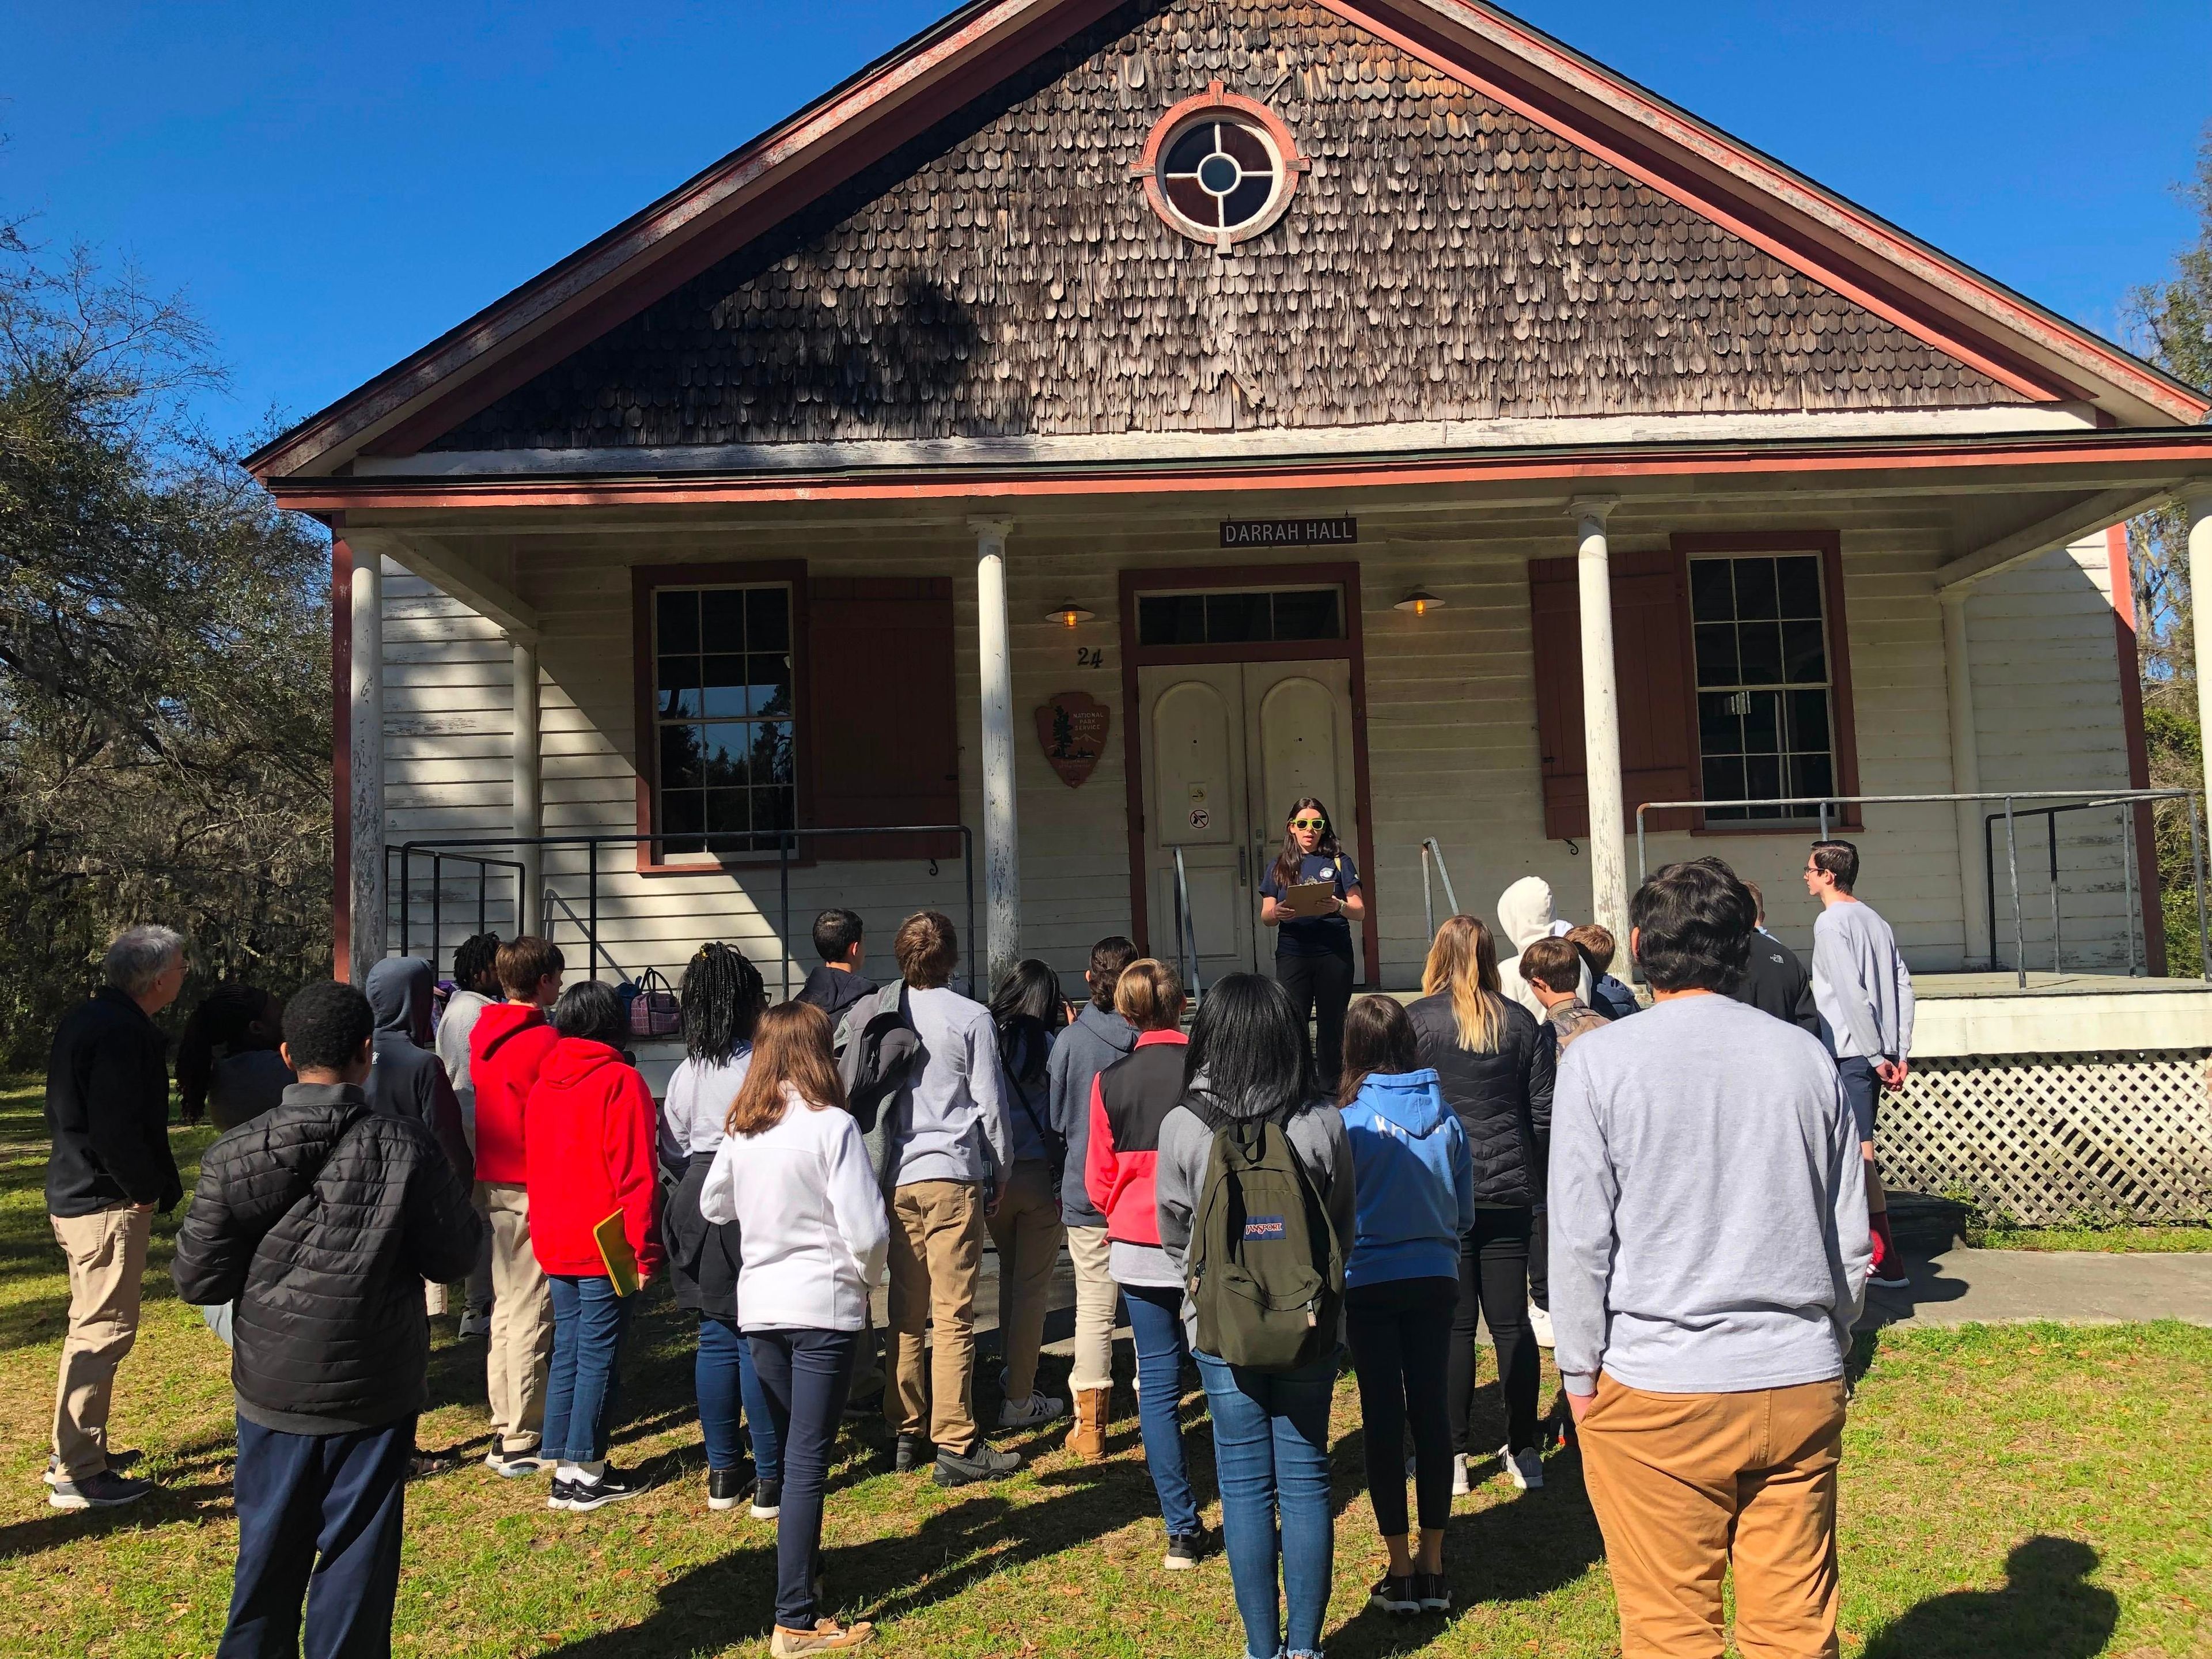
1266,1268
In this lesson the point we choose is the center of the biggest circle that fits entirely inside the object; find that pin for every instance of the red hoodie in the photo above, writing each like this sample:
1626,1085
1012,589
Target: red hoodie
1129,1100
591,1125
507,1046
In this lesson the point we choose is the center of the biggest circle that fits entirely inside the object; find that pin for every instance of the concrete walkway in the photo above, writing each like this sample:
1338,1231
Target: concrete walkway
1996,1287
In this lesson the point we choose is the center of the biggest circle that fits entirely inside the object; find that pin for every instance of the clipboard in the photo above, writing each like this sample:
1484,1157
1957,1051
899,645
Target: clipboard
615,1251
1307,899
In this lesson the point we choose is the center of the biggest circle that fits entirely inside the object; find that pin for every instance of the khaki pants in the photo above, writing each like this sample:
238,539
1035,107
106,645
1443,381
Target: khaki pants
107,1256
521,1346
936,1259
1088,1249
1686,1486
1027,1232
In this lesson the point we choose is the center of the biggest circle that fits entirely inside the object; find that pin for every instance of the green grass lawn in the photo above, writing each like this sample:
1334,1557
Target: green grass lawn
2105,1241
2083,1458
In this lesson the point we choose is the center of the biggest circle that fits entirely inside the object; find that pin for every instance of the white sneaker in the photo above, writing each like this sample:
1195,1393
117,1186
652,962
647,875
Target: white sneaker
1541,1322
475,1324
1526,1467
1039,1408
1459,1474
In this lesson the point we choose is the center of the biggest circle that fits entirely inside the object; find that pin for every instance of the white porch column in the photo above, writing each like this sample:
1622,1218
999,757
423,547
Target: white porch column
1965,775
1002,865
1608,846
2200,584
529,813
369,924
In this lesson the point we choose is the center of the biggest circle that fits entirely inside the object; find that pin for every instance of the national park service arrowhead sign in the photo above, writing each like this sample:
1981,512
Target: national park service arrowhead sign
1072,728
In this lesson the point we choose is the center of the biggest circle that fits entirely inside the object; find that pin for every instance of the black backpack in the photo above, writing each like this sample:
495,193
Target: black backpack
879,1055
1264,1264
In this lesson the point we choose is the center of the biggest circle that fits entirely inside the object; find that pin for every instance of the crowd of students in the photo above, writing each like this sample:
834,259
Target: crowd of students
1250,1221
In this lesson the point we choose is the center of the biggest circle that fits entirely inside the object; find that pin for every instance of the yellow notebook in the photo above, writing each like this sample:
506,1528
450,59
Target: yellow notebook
615,1251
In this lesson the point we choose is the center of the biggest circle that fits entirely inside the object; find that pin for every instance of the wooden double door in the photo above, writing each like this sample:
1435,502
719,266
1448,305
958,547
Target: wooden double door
1228,748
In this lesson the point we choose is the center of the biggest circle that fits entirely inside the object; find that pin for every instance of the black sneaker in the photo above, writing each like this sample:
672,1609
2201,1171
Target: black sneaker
909,1454
984,1463
104,1491
118,1462
1395,1594
728,1488
768,1500
515,1465
1185,1552
1434,1590
561,1493
609,1488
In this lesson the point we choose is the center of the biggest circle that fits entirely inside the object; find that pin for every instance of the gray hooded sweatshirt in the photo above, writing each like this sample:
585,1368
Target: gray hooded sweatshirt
1525,915
1317,1138
1098,1038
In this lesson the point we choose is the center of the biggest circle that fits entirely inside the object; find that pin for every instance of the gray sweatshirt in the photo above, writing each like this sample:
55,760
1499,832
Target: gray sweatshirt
949,1122
1708,1205
1317,1138
1861,984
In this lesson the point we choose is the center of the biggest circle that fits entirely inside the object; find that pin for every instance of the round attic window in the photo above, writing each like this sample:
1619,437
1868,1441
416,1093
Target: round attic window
1221,168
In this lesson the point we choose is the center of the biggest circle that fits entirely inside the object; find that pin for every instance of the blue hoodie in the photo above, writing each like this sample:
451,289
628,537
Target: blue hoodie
1413,1178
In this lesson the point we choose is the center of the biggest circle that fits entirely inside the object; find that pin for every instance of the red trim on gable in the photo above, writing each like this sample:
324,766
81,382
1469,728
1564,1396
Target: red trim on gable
2131,721
932,75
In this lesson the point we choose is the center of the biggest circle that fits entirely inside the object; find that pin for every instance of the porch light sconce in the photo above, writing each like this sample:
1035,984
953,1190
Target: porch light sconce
1068,614
1421,602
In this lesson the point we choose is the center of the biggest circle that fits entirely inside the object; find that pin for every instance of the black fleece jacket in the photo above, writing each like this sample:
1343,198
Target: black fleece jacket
1502,1099
321,1219
107,1111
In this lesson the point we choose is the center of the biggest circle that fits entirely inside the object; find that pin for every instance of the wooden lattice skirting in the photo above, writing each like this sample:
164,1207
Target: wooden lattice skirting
2045,1139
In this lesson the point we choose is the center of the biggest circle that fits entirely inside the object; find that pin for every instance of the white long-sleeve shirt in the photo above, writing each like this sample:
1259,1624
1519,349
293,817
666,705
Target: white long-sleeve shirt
1708,1205
1861,985
699,1098
810,1217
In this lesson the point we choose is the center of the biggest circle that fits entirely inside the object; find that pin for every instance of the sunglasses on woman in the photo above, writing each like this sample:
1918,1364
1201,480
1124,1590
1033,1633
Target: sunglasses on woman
1308,823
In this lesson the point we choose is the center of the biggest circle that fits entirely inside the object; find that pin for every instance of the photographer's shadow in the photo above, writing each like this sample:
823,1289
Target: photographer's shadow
2047,1610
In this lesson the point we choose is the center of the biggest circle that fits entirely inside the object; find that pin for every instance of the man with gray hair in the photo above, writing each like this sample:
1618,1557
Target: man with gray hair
108,1169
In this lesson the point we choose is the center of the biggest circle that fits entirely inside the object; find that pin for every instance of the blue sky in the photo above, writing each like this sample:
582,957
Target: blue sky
332,185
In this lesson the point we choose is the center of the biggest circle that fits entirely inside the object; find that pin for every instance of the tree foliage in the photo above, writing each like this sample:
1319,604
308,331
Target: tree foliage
164,659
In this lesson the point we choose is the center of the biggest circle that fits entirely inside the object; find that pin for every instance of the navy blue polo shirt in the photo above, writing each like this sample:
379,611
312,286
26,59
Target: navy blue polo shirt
1315,936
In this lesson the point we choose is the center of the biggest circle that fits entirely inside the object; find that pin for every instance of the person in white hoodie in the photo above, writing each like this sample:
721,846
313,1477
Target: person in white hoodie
794,1174
1525,914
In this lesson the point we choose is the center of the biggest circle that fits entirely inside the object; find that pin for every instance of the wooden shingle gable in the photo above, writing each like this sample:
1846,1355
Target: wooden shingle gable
1446,258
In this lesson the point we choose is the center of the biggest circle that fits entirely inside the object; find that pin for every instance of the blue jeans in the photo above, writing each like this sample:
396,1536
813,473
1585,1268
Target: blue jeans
1156,1322
589,1321
319,1517
805,1374
729,1393
1271,1456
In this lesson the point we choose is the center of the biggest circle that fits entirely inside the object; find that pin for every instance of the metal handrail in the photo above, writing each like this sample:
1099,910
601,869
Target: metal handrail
2100,799
2050,815
785,840
1187,931
438,861
594,951
1430,849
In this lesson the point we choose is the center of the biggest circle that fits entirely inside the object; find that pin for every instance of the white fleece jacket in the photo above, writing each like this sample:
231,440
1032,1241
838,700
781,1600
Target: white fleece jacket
810,1217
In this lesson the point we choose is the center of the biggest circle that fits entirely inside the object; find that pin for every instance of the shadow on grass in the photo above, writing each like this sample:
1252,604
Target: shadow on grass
2047,1610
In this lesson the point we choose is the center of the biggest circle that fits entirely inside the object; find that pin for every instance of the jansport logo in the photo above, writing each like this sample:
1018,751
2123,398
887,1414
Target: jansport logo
1261,1227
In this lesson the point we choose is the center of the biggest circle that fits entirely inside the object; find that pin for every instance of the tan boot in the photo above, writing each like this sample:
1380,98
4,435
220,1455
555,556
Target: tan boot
1087,1439
828,1635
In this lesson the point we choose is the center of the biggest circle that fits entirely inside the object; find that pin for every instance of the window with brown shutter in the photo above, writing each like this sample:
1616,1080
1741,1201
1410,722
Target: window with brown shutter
883,715
1654,660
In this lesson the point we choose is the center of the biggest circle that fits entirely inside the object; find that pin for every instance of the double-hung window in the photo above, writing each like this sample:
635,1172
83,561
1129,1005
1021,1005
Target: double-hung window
724,714
1766,687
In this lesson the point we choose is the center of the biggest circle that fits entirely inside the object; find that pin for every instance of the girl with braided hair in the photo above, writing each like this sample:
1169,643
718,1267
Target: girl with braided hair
721,998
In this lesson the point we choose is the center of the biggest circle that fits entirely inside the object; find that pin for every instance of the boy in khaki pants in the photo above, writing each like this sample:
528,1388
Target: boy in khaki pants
1709,1258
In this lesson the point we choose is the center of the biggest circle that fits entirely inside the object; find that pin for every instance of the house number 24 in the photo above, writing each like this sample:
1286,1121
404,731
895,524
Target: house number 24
1089,656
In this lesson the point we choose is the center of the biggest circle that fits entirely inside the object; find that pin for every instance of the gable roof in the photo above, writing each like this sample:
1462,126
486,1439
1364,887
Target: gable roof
1995,331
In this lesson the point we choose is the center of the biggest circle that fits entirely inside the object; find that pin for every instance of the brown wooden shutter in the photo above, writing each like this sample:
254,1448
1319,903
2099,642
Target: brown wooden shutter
1650,660
882,719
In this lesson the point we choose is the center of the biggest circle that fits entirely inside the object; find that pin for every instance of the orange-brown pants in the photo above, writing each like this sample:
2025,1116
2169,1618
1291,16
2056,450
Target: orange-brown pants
1688,1485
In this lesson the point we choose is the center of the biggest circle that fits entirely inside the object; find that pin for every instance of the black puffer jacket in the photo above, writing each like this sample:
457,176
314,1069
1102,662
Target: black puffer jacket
1504,1100
321,1219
